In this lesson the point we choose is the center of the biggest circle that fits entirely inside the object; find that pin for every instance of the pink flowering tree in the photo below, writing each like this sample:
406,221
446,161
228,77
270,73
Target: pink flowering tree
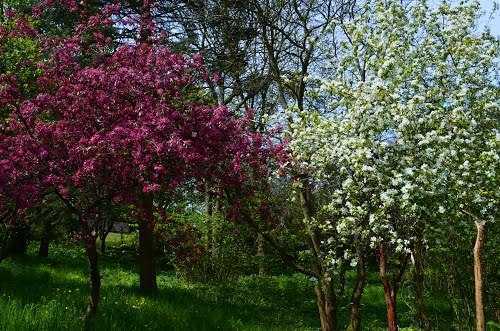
121,126
19,53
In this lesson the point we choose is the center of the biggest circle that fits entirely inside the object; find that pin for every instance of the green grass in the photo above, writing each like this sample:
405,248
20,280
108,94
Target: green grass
51,294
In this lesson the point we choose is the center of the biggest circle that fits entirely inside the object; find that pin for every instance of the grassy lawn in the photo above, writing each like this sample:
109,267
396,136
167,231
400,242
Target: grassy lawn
51,294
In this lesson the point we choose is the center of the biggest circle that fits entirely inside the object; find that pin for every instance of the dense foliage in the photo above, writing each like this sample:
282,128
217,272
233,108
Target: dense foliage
343,140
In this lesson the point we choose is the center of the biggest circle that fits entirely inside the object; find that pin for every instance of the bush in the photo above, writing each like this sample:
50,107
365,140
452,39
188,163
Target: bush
207,249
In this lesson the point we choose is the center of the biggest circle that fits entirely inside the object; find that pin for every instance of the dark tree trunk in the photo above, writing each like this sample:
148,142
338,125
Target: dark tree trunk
43,250
103,245
3,254
104,230
19,246
478,275
341,280
4,246
103,242
389,291
147,273
357,294
19,240
146,257
95,280
418,279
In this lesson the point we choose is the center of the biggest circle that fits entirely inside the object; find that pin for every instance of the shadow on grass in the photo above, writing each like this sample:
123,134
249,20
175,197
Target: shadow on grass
47,294
51,294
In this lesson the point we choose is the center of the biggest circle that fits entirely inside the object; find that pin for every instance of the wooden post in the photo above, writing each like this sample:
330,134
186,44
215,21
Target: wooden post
478,275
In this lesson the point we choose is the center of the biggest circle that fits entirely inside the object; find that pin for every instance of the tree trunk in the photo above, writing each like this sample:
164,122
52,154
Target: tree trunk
4,245
103,245
19,240
325,297
3,254
418,279
43,250
390,299
342,279
95,280
478,275
104,231
357,294
147,272
326,300
19,246
103,242
389,291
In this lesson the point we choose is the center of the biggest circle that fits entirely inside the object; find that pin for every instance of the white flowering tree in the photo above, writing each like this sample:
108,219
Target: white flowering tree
410,134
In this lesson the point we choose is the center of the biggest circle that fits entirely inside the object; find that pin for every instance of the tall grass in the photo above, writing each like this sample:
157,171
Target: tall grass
50,294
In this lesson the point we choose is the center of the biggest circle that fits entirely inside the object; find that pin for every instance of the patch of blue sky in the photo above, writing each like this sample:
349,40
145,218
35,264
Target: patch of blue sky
491,18
491,14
